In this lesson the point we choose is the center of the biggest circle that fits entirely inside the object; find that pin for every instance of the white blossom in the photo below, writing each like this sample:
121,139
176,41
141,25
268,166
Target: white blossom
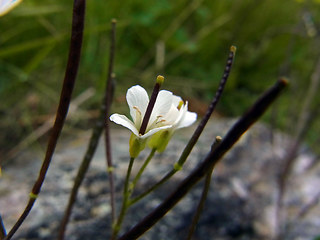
7,5
138,100
169,112
178,117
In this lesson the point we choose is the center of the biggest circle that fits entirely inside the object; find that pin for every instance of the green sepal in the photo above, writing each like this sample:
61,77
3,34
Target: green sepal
160,140
136,145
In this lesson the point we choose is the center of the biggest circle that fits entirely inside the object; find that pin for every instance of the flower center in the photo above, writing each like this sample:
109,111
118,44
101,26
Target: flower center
156,122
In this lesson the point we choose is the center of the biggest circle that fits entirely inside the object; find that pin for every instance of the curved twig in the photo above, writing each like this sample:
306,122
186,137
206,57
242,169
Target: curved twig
68,84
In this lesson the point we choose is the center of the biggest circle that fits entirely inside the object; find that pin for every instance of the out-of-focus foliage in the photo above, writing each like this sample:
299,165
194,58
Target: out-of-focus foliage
274,38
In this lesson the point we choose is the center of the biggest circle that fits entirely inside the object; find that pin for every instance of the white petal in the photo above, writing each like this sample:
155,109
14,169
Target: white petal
7,5
161,106
137,97
173,115
124,121
188,119
154,130
176,100
163,102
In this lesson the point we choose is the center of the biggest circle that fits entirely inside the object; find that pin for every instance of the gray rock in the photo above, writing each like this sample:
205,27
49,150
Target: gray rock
240,203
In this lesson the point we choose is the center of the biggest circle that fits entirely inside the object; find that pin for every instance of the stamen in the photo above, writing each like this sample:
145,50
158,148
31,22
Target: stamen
152,101
138,116
161,121
180,105
137,109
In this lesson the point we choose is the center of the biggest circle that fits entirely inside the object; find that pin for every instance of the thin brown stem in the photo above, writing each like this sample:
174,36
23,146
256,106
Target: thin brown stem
309,206
93,143
3,232
92,146
204,194
240,127
303,126
68,84
108,101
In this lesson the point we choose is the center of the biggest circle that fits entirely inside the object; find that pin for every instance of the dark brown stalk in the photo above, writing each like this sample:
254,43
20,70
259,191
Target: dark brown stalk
211,108
193,140
304,125
108,101
239,128
150,106
93,143
68,84
309,206
204,195
3,232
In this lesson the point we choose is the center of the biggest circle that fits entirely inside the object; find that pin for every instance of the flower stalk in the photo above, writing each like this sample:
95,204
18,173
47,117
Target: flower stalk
143,167
92,146
3,232
108,101
204,194
125,202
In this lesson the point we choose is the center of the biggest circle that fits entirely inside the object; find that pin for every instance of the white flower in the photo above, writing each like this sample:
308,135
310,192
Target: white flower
7,5
168,114
179,117
138,100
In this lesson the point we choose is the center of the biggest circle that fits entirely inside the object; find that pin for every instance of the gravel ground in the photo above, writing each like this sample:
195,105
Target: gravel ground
240,203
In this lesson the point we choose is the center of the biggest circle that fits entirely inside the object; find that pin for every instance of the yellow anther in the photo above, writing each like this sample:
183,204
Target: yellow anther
180,105
110,169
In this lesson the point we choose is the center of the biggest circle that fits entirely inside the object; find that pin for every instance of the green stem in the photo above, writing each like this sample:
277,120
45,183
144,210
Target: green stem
155,186
128,188
125,202
143,167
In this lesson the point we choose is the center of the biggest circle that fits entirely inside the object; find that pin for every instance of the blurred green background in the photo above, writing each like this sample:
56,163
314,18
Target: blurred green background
186,41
